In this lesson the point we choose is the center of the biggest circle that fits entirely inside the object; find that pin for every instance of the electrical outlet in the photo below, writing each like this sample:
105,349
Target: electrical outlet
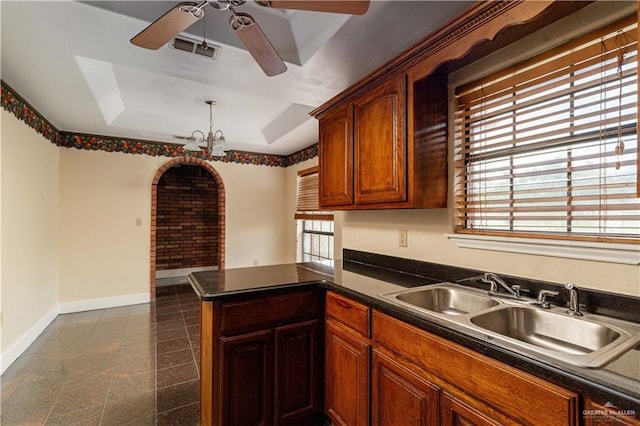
138,221
256,263
402,238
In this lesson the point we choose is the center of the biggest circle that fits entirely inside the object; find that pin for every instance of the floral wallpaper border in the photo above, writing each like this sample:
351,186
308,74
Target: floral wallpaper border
20,108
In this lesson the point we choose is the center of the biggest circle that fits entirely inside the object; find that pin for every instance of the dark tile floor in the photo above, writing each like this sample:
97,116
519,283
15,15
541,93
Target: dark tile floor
132,365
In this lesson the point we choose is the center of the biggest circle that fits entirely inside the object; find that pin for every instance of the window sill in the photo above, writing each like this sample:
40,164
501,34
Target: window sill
600,252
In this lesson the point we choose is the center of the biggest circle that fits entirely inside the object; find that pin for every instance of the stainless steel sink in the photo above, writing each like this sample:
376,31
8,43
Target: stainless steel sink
446,300
588,341
558,333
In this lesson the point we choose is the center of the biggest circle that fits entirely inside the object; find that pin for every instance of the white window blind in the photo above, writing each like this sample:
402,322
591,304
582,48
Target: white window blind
549,147
307,196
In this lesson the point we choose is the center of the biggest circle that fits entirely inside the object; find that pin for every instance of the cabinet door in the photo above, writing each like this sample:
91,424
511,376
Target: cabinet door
335,162
599,415
346,377
297,373
458,413
400,397
247,379
380,154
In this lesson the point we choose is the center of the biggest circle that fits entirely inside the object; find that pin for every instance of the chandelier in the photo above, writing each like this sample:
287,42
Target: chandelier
216,143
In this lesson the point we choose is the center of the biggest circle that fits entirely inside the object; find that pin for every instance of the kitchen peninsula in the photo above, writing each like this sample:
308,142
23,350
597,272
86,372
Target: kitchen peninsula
264,331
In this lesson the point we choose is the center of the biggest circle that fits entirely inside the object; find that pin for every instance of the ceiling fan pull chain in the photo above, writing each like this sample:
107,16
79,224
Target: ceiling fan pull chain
204,35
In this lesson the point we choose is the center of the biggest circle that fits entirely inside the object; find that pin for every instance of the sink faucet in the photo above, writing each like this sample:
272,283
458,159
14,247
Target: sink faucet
574,306
494,280
542,298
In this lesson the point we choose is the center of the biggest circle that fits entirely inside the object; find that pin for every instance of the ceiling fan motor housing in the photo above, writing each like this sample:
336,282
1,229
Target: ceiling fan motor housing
225,4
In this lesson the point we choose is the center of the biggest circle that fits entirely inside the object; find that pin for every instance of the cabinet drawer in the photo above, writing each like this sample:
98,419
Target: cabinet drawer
270,311
352,314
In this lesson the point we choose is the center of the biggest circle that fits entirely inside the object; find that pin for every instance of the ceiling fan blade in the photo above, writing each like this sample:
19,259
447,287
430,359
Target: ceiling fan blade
257,44
353,7
169,25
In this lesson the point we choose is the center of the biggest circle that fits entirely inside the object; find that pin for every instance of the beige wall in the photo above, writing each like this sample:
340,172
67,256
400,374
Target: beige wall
30,231
256,214
104,254
69,235
377,232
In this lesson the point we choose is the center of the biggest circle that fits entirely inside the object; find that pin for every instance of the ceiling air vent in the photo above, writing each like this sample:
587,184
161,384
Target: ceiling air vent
194,47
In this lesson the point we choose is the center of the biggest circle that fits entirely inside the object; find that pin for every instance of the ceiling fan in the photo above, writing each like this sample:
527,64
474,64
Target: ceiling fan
182,16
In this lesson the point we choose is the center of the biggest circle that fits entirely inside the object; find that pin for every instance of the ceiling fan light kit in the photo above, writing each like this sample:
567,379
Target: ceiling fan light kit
182,16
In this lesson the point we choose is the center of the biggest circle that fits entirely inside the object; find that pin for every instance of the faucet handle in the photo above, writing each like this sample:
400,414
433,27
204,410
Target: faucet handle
542,298
518,290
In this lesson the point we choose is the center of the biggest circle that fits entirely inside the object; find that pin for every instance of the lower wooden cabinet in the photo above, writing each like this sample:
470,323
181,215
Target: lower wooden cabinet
378,370
247,375
400,397
458,413
271,376
261,360
297,374
347,359
595,414
475,389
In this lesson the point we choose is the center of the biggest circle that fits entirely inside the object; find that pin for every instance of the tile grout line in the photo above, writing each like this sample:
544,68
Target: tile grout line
155,358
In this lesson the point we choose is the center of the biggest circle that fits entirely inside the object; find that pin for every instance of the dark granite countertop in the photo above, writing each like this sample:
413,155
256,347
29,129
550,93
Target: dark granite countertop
617,383
215,285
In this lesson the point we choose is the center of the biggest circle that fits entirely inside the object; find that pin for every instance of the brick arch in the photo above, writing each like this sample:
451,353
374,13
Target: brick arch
154,204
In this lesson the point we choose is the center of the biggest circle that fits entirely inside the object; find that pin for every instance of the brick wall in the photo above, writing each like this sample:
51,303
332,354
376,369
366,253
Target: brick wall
186,219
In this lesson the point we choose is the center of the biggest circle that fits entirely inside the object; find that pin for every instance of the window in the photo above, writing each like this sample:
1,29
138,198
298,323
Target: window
549,147
315,226
317,241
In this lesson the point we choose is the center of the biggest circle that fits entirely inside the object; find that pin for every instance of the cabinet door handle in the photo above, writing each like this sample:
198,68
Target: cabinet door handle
343,304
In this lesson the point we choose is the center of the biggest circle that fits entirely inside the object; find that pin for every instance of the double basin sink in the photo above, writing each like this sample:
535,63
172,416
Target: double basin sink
590,341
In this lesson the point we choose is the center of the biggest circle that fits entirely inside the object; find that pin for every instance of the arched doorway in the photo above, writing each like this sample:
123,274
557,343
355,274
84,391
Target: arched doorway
193,173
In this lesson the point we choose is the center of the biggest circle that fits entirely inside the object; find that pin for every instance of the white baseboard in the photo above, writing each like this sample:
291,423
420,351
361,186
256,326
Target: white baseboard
10,355
103,303
182,272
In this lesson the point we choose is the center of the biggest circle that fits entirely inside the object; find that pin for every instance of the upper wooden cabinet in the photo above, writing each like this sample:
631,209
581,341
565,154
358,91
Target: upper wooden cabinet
336,158
380,148
383,141
369,161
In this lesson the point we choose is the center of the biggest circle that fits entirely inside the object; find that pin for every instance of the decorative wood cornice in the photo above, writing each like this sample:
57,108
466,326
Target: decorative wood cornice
456,38
23,111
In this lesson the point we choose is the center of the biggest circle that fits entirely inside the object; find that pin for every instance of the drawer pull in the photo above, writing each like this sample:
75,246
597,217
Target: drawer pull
343,303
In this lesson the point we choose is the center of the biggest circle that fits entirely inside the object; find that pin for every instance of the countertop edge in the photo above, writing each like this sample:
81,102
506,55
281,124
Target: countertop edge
582,385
